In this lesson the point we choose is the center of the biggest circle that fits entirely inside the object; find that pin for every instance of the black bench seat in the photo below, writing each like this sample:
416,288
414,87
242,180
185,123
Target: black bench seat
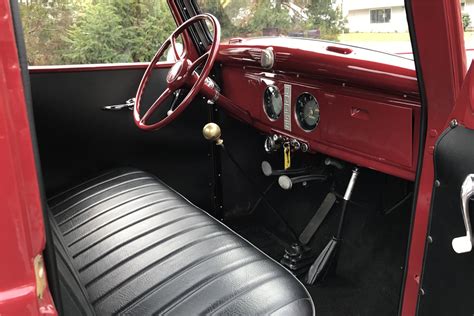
128,244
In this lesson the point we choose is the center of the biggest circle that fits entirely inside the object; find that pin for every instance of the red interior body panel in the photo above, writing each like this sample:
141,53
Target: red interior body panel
369,111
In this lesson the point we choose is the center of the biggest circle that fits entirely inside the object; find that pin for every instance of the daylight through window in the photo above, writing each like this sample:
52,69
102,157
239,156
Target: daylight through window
380,16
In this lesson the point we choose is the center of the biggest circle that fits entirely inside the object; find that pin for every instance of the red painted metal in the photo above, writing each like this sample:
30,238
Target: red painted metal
96,67
22,234
362,67
181,73
384,139
386,83
443,64
463,110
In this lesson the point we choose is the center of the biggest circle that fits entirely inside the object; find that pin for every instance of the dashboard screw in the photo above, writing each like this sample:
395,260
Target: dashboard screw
453,123
437,183
422,292
430,239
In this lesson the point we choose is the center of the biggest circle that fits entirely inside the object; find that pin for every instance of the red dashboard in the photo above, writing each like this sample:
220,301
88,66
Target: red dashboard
368,101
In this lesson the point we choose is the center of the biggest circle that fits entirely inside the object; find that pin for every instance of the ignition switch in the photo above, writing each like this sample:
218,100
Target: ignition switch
275,142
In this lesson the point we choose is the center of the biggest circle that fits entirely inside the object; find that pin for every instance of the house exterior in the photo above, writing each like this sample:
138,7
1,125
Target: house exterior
467,7
384,15
375,16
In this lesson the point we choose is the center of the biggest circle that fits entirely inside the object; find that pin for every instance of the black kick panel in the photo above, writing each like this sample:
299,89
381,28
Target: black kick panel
448,278
77,139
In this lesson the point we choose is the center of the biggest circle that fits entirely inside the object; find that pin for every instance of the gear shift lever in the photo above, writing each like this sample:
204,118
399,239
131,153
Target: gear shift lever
212,132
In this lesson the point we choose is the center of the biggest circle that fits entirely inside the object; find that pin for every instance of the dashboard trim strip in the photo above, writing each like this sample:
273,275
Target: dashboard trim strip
287,107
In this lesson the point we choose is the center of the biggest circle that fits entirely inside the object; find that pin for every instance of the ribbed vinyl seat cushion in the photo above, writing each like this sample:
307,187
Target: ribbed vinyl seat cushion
134,246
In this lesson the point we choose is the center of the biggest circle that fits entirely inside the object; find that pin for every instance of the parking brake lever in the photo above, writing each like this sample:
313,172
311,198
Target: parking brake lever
268,170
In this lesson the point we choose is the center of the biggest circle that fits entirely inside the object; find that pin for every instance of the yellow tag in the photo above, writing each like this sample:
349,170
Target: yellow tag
287,155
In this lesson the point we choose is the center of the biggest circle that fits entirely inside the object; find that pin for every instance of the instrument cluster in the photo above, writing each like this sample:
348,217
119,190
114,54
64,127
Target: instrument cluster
305,111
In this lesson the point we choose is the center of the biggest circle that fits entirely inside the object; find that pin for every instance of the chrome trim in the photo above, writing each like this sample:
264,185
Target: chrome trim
350,187
463,244
129,104
287,107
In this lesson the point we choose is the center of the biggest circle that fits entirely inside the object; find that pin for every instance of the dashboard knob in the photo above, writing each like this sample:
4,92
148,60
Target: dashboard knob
267,59
285,182
270,145
304,147
267,168
296,145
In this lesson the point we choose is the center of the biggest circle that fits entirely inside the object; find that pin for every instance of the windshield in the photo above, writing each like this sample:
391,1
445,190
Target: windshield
378,24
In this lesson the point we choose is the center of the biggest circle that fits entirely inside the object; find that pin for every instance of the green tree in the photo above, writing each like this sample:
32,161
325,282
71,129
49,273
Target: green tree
327,19
146,24
43,25
466,21
96,37
65,32
222,14
269,15
154,30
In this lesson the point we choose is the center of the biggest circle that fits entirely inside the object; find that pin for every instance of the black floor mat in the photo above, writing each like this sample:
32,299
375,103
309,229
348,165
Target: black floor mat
262,238
370,267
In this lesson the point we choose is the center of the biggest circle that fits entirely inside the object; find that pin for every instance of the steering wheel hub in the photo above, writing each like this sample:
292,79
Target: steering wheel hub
177,71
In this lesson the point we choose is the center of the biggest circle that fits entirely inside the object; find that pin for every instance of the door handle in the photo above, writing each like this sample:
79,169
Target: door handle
463,244
128,105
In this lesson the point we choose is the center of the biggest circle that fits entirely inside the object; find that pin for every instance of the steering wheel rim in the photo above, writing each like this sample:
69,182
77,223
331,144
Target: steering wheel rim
181,74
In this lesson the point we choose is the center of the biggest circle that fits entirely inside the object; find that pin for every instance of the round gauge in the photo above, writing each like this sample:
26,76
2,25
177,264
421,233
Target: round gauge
307,111
272,102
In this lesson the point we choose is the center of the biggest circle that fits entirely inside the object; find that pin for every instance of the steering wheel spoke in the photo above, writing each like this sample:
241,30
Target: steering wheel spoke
174,48
202,59
162,98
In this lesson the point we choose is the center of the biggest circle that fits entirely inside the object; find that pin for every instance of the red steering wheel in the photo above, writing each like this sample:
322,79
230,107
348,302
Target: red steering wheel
182,74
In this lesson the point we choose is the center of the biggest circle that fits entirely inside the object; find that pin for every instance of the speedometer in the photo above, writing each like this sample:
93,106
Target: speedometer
307,111
272,102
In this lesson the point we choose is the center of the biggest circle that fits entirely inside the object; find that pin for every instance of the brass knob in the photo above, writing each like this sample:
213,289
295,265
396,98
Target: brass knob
212,132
